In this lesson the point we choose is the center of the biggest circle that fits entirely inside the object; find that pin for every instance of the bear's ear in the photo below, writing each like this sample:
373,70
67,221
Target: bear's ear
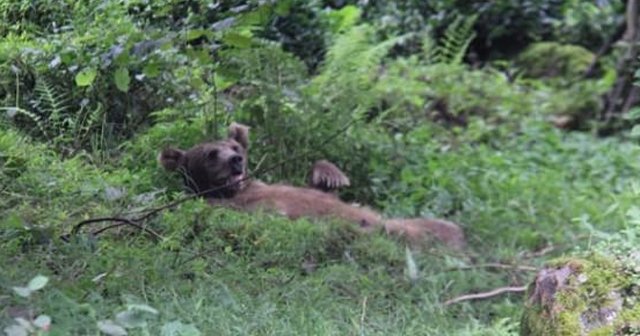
239,133
171,158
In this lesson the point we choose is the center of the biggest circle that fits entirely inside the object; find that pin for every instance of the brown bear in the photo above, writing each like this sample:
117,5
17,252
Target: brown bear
218,171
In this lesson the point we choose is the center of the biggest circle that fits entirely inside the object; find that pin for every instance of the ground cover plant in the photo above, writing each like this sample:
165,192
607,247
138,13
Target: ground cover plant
408,100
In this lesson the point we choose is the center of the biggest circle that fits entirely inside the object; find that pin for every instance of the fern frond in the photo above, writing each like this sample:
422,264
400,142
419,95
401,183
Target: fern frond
353,62
12,111
51,104
429,50
456,39
87,120
343,55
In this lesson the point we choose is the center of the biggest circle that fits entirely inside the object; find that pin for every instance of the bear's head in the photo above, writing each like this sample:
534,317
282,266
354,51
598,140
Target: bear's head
215,169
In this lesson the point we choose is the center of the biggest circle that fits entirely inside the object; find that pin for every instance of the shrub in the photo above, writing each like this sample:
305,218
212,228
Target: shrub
552,60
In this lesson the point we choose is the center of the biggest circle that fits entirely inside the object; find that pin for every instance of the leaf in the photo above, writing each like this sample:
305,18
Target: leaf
344,18
412,269
38,282
143,308
15,330
635,131
177,328
99,277
633,215
42,322
110,328
131,319
122,79
55,62
135,316
13,222
237,40
151,70
196,33
148,197
86,76
223,83
24,323
22,291
283,7
114,193
11,112
223,24
633,114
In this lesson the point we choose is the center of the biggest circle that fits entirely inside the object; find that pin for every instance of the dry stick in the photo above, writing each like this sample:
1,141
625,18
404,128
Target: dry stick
484,295
541,253
494,265
554,248
120,221
132,222
153,211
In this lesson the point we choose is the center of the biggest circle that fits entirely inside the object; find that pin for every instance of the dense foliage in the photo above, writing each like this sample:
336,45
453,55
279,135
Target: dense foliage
433,108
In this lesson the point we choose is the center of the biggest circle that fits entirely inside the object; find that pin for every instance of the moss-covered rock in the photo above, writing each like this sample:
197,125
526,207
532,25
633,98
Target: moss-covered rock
552,59
591,295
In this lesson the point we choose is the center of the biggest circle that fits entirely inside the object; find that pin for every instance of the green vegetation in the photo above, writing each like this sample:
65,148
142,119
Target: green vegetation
425,106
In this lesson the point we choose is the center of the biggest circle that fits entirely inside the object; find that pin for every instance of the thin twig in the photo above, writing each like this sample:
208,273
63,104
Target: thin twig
121,221
555,248
151,212
485,295
107,228
495,265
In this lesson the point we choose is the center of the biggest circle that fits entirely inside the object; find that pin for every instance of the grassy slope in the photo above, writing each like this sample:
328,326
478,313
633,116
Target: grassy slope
241,274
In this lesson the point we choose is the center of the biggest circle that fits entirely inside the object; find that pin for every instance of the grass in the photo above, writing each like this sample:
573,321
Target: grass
230,273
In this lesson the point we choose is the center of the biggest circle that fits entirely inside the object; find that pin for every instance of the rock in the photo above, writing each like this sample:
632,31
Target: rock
594,295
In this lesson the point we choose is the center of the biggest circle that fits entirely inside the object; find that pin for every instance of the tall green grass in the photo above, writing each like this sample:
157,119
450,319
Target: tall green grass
230,273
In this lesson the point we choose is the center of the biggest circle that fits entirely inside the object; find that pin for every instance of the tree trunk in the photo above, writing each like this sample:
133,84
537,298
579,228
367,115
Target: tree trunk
624,94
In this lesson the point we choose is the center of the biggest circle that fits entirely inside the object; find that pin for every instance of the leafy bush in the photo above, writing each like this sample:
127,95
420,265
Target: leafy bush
511,180
96,82
589,24
22,16
559,75
503,27
552,60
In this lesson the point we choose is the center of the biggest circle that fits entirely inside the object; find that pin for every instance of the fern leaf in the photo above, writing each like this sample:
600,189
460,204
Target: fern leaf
30,115
455,42
50,103
352,62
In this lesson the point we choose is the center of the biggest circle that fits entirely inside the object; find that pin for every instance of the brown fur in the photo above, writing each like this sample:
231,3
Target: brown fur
214,169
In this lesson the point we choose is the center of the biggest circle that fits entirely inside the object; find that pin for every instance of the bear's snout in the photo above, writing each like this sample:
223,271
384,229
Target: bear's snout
236,164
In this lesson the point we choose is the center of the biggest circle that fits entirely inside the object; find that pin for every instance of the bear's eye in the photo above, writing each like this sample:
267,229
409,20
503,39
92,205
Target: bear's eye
235,148
213,154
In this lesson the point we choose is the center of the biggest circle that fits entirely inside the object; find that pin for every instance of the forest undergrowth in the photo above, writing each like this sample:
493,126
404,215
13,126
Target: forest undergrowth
86,110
